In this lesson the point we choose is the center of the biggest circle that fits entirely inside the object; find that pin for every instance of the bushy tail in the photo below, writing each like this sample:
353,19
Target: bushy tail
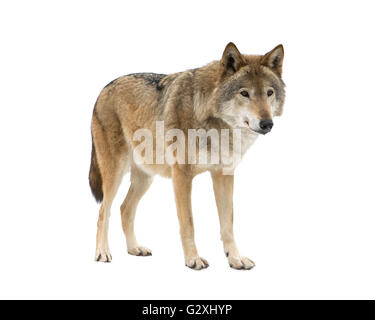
95,177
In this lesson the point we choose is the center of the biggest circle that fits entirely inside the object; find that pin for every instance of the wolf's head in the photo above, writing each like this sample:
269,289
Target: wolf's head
251,90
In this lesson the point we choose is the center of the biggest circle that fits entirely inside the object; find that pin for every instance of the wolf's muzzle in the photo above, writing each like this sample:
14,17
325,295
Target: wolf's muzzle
265,126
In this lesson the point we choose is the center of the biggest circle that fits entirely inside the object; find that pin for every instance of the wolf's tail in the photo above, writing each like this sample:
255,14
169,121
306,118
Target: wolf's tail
95,177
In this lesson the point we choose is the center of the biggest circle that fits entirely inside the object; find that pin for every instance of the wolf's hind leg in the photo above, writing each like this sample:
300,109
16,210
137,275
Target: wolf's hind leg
103,253
113,160
223,188
111,182
140,182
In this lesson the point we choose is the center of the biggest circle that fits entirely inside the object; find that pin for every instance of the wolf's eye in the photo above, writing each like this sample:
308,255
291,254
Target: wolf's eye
244,93
269,93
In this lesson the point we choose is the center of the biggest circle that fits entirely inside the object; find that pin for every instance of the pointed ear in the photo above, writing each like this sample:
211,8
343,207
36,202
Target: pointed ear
232,59
274,59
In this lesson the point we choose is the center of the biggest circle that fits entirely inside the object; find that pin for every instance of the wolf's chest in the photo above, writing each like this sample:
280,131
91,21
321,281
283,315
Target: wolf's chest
247,140
222,155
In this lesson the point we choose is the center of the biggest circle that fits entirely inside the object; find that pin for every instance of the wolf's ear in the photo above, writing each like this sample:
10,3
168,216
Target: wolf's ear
232,59
274,59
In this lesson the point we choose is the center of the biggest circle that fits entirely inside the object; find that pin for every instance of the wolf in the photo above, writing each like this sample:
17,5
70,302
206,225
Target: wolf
238,92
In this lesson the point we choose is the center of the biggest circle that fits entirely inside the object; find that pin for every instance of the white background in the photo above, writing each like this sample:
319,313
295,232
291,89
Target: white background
304,194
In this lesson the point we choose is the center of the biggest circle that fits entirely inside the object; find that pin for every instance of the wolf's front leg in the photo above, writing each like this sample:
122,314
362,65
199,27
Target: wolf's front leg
182,181
223,188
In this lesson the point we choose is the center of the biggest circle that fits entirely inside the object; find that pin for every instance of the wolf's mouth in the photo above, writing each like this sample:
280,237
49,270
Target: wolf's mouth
262,127
248,126
263,132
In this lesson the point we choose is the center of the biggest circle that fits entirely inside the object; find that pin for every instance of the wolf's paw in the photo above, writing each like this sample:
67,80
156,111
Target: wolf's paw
240,263
140,251
197,263
103,255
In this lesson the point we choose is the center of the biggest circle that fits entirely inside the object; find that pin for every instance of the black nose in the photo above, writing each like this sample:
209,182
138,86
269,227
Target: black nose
266,125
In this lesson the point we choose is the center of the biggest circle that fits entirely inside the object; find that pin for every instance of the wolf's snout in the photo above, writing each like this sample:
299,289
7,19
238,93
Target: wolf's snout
266,125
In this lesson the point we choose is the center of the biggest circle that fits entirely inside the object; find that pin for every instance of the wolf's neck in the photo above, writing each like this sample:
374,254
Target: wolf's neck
205,81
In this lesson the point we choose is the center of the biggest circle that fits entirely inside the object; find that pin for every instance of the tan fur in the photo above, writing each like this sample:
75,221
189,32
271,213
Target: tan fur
186,100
